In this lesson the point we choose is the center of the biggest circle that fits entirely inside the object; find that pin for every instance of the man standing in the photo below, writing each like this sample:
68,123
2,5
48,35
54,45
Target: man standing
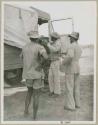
72,70
54,72
32,72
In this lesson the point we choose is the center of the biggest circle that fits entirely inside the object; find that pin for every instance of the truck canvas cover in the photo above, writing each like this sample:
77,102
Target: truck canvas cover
18,23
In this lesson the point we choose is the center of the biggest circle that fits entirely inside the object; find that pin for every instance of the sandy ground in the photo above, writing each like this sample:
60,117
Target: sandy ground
52,109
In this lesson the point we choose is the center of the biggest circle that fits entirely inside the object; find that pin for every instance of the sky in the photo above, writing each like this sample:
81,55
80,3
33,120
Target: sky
82,12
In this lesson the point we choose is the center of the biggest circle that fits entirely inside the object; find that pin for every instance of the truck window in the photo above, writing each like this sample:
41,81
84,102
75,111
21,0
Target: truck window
43,29
63,26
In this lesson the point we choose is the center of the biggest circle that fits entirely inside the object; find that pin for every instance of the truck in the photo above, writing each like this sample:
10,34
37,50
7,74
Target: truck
18,21
15,37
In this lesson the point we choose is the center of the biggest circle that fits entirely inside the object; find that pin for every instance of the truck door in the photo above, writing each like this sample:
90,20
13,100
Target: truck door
64,27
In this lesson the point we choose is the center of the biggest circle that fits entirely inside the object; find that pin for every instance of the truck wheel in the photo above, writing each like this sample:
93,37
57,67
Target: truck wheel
13,77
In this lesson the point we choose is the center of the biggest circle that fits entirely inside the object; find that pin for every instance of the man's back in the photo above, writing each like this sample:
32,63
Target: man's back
31,60
75,61
74,52
77,51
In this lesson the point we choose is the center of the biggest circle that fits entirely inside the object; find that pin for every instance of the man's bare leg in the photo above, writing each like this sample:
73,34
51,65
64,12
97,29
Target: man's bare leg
28,100
36,93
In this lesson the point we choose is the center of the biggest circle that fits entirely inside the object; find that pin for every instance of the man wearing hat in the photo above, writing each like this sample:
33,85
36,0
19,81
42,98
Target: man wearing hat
72,70
32,71
54,73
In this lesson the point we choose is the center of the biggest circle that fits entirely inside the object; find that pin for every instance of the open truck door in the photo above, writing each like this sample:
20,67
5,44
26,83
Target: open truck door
64,27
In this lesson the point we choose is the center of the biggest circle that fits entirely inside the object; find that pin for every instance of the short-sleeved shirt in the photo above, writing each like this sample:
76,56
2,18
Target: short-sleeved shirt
31,61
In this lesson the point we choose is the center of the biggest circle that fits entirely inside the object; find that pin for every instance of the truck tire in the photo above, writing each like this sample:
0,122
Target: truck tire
13,77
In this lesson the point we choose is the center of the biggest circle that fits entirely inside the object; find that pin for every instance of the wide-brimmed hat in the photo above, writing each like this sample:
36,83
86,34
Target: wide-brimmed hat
74,35
33,34
55,35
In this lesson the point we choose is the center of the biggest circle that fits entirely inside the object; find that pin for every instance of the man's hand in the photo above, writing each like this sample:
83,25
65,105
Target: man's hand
39,68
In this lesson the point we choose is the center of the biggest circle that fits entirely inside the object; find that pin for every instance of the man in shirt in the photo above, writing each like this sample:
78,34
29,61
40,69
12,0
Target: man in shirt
33,72
72,70
54,72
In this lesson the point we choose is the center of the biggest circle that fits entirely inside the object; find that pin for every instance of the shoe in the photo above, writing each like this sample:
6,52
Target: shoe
26,113
56,95
77,106
51,94
34,119
65,108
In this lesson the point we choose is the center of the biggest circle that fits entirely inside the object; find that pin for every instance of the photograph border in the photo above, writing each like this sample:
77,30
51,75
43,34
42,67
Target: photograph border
2,72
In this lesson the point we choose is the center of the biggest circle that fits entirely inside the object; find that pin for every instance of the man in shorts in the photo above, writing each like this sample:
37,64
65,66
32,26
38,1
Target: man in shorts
32,72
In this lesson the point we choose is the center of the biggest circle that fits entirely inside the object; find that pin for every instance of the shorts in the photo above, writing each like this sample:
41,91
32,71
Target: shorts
35,83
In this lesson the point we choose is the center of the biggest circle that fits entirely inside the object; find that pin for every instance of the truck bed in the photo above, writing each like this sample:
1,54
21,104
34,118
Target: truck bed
12,58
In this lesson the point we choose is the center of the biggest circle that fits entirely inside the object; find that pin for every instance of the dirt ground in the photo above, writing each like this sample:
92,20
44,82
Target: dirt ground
52,109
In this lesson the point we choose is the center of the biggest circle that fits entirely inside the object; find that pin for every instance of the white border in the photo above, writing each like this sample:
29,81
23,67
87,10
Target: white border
2,61
2,81
48,122
94,93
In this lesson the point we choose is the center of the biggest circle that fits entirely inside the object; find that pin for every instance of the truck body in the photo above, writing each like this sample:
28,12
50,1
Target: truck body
13,46
15,36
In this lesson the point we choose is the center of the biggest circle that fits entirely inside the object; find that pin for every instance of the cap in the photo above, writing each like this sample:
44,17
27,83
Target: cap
74,35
